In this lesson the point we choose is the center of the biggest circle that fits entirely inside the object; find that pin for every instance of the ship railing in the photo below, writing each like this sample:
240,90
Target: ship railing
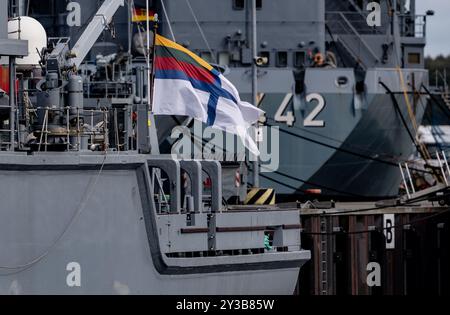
7,130
90,126
19,28
348,28
178,185
5,142
442,173
413,26
439,85
207,228
339,22
440,79
108,89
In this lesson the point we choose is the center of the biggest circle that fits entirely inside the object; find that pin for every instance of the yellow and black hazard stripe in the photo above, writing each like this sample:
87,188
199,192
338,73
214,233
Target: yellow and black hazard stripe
260,197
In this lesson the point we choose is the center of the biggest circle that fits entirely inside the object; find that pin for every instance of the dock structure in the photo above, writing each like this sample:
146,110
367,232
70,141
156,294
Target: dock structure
375,249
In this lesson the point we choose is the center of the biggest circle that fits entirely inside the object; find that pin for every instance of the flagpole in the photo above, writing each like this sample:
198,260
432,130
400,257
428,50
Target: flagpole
147,7
153,137
152,74
255,86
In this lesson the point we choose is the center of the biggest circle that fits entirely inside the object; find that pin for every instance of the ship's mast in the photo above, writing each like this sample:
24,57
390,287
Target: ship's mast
255,83
147,7
396,34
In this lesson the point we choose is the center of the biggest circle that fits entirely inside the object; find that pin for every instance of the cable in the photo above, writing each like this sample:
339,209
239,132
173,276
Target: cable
423,150
335,140
201,31
346,151
168,21
433,98
424,153
398,110
196,140
434,128
315,185
82,206
311,183
327,27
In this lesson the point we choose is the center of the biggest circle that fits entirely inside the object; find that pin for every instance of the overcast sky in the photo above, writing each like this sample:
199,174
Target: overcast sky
438,29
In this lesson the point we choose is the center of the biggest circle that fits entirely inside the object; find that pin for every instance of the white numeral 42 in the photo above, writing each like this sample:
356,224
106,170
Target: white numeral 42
288,117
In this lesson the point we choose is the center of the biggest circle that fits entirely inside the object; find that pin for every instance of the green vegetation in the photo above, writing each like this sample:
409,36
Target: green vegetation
437,66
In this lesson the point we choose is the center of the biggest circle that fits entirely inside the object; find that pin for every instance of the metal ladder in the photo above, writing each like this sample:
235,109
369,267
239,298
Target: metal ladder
324,256
14,7
407,179
9,134
443,165
409,183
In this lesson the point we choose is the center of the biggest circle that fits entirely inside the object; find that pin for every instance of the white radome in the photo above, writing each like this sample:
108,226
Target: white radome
32,31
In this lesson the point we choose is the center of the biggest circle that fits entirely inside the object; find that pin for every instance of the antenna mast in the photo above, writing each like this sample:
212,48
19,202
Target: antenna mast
255,85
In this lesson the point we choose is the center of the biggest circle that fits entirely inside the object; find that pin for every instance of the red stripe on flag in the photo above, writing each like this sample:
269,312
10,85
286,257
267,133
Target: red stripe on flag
168,63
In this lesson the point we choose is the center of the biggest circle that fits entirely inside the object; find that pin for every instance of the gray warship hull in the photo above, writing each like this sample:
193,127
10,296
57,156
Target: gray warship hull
356,156
63,210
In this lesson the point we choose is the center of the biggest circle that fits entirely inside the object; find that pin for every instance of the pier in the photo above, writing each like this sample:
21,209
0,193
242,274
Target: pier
348,241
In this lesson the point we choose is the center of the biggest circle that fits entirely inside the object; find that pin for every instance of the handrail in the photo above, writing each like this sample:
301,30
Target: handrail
362,21
419,22
70,131
359,36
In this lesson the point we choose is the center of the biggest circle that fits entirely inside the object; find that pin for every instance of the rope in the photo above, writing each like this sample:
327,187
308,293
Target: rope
82,206
421,147
201,31
201,142
412,116
296,178
433,98
345,150
168,21
348,145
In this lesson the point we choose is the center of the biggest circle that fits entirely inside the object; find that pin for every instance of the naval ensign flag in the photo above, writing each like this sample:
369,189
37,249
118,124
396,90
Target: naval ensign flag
187,85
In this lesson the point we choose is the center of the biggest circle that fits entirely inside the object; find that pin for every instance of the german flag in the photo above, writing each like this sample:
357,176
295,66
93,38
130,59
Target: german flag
140,15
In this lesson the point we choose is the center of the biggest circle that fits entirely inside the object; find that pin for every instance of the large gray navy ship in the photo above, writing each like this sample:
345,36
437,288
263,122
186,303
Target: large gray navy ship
89,205
341,79
346,95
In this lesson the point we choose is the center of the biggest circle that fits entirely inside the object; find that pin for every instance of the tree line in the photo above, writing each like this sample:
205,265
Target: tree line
436,67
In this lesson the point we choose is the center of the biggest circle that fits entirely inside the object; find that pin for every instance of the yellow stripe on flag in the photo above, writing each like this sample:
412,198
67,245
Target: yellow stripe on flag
162,41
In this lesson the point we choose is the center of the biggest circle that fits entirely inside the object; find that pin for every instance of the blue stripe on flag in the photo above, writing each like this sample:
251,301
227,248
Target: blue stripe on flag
212,109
